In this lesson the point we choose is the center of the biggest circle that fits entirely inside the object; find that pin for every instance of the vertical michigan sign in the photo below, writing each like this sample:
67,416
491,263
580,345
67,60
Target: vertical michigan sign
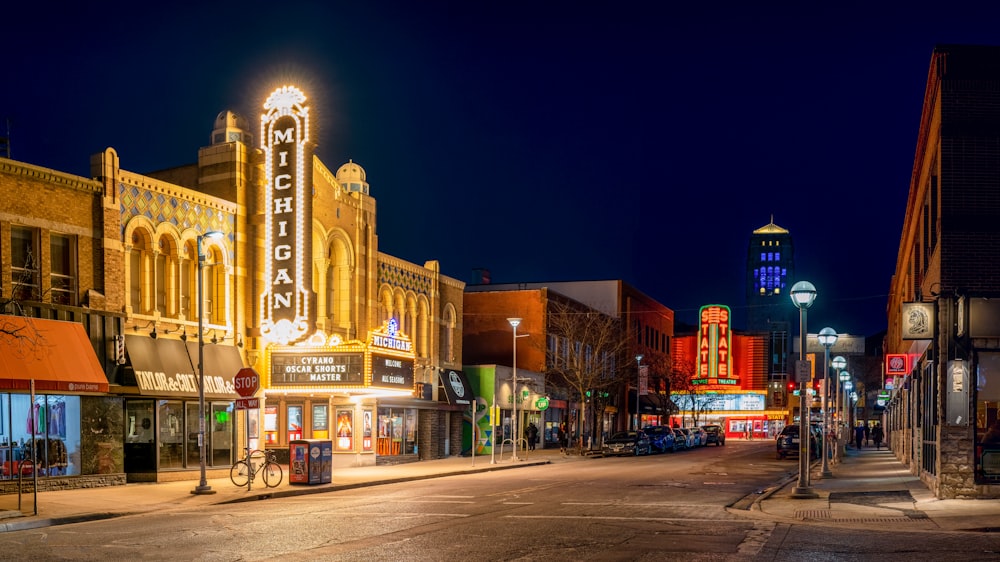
286,305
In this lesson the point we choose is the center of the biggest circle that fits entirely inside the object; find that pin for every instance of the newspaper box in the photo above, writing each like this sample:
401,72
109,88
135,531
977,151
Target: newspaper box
310,461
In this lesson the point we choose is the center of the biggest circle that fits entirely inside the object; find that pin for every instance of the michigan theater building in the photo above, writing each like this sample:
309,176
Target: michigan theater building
171,282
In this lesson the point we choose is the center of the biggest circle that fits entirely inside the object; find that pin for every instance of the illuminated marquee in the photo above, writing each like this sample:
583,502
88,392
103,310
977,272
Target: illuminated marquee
715,341
286,305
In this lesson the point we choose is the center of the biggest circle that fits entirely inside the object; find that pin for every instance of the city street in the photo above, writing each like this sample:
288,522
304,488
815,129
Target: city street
659,507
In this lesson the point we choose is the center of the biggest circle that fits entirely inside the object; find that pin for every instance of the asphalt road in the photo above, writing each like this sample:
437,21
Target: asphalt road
662,507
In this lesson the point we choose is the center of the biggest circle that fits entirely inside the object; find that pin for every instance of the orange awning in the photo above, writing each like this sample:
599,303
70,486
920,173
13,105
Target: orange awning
56,355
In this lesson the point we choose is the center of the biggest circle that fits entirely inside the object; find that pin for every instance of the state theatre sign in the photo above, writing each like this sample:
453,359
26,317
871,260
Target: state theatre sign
714,368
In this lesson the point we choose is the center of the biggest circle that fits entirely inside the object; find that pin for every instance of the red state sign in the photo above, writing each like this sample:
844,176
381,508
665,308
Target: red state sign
247,382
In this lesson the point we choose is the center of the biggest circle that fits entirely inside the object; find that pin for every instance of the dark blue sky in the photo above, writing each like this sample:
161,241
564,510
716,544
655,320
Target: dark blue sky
540,140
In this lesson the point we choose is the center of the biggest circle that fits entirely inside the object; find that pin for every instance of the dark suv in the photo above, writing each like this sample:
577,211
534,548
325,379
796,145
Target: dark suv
715,434
787,443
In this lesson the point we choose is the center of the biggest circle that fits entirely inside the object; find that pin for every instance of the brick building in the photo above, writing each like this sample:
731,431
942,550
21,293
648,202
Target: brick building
647,328
943,342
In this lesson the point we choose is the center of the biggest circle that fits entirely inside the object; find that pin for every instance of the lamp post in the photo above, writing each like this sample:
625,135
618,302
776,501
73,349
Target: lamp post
202,487
513,428
803,294
638,382
848,385
838,363
827,337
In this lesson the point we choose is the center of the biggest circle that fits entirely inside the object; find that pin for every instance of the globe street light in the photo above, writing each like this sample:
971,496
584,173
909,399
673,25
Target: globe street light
513,428
202,487
638,382
838,363
803,294
827,337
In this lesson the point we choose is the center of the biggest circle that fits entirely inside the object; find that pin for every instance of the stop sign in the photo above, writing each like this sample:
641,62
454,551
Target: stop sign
246,382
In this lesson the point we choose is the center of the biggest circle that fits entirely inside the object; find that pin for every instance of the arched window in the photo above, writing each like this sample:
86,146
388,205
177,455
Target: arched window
140,272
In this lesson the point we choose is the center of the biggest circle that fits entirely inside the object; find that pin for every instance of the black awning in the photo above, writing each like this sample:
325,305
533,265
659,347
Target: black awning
222,363
163,367
653,405
456,388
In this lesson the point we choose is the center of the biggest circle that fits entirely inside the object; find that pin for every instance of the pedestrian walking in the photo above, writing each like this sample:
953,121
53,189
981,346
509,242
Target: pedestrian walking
868,435
859,435
877,436
532,434
563,437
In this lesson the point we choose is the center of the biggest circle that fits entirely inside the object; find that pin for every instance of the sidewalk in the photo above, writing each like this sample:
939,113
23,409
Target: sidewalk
872,486
61,507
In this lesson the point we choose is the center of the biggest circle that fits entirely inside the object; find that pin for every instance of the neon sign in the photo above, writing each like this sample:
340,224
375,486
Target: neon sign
391,338
286,305
715,341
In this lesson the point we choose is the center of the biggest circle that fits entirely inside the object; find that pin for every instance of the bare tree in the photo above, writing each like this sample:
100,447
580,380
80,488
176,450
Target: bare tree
686,393
660,384
588,354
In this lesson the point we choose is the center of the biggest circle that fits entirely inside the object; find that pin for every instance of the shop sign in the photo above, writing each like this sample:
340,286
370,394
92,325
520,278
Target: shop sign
317,368
392,372
542,403
389,337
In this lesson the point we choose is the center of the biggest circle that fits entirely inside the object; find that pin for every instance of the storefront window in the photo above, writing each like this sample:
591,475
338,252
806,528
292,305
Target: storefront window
988,418
294,422
366,436
48,430
221,434
271,425
397,431
345,430
171,416
320,421
140,436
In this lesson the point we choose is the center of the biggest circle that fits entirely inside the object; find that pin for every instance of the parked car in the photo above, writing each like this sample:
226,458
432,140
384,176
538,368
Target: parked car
714,434
700,437
689,438
787,443
661,439
627,443
680,440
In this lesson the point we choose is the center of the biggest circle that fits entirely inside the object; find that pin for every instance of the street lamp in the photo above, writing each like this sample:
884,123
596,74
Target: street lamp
202,487
838,363
846,378
827,337
513,428
638,382
803,294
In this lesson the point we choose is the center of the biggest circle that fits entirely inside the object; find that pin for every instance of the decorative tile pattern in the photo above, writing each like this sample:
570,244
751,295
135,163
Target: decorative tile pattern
159,208
404,279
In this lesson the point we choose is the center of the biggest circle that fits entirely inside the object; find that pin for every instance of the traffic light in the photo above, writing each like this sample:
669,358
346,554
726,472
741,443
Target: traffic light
791,386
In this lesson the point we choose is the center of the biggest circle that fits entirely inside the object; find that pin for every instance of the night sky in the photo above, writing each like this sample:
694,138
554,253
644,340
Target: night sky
543,141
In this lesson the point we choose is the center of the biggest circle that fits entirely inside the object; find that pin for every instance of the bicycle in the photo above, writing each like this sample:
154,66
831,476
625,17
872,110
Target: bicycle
245,470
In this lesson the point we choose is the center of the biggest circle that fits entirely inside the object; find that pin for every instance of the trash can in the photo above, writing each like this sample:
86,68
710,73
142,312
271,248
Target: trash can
310,461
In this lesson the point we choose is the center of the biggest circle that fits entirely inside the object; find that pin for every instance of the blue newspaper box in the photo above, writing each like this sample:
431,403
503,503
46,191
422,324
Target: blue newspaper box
310,461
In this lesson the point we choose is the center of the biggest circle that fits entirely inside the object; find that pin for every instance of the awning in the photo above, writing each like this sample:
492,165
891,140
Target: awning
456,388
56,355
653,405
163,367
